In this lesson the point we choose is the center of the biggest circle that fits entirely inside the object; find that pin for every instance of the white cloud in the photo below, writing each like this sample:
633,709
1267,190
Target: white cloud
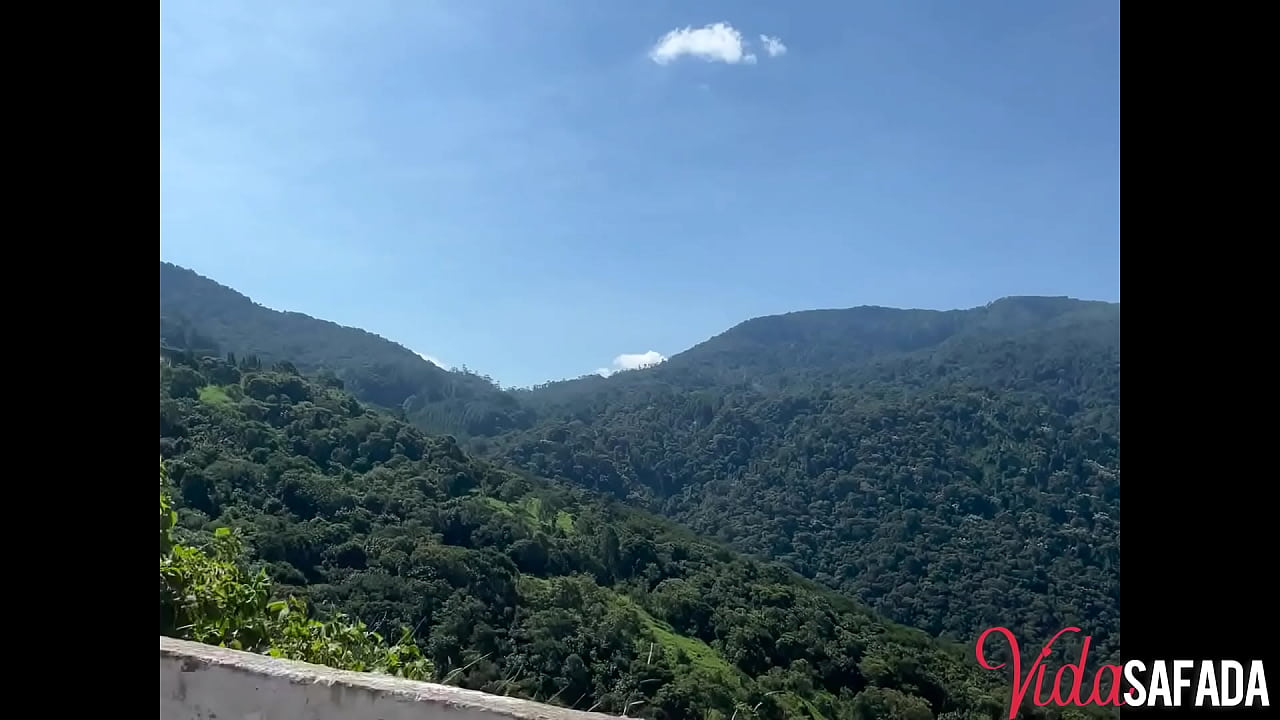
632,361
773,46
719,42
434,361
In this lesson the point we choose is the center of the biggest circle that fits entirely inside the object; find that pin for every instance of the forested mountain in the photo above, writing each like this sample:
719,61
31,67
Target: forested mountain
199,314
954,470
1057,347
515,585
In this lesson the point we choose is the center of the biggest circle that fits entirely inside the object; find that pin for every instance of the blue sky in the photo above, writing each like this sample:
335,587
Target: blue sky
534,188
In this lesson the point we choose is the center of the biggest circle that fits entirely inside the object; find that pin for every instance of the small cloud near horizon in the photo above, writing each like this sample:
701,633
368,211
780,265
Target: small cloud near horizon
633,361
718,42
434,361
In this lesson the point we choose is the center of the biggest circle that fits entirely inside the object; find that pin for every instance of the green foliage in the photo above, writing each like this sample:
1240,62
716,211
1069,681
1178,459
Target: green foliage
168,518
340,643
954,470
206,596
513,585
888,704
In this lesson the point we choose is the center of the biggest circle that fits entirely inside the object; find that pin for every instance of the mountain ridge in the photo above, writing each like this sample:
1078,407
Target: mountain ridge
195,309
953,470
171,272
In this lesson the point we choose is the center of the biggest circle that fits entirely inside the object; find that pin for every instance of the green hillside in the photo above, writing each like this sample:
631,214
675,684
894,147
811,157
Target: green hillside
951,470
518,586
198,314
956,471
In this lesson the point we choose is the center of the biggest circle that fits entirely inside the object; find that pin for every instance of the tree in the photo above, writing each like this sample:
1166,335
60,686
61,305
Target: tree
206,596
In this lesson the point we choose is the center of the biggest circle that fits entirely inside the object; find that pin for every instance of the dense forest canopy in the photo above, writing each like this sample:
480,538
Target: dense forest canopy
966,476
515,585
951,470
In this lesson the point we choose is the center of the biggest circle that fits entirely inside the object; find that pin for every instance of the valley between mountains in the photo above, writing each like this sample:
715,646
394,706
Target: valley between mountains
809,515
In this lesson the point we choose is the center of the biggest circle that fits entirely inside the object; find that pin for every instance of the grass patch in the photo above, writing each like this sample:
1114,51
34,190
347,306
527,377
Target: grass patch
688,657
701,657
532,584
214,395
529,510
704,662
564,521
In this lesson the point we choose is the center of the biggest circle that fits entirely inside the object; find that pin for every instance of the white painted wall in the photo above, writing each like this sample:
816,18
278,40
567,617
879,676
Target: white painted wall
202,682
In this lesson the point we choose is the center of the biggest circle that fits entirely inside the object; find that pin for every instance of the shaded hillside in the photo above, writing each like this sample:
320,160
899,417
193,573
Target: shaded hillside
199,314
517,586
956,470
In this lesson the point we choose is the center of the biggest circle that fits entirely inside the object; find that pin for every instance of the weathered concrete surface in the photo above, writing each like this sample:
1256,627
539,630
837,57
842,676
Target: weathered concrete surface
212,683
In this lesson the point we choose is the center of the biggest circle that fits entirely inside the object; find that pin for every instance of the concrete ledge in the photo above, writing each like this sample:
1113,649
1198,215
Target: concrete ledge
203,682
